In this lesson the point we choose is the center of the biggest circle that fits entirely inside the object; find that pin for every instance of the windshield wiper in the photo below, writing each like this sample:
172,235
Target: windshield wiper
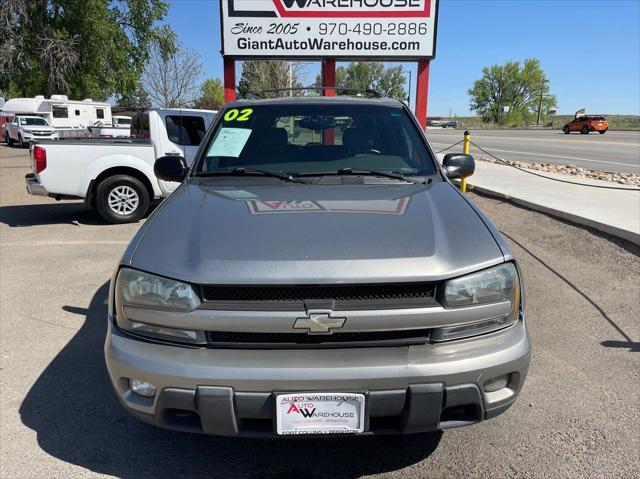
363,171
359,171
254,171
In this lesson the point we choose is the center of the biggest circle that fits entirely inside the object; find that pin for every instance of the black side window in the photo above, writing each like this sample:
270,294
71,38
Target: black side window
185,130
135,125
140,125
77,112
145,129
60,112
100,113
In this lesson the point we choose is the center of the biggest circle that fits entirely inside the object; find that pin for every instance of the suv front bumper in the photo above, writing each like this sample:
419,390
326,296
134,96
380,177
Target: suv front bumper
229,392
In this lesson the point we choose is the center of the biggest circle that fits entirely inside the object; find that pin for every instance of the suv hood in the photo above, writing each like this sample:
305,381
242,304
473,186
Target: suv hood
310,234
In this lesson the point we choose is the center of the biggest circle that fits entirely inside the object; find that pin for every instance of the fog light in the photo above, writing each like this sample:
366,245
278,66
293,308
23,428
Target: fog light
496,384
142,388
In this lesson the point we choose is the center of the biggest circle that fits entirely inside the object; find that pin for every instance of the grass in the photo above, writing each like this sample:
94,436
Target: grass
616,122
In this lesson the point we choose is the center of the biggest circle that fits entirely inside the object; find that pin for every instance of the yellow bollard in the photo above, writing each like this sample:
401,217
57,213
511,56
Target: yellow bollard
465,149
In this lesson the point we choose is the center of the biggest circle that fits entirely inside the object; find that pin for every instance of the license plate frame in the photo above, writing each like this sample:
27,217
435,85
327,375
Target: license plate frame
322,404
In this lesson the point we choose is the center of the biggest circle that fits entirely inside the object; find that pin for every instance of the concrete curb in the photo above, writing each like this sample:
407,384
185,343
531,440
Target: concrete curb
596,225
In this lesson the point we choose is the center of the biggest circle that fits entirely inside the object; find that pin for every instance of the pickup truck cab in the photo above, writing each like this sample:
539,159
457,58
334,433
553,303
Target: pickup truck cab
116,176
316,273
24,129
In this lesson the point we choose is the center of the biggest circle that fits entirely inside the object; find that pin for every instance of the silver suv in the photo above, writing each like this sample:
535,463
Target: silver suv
316,272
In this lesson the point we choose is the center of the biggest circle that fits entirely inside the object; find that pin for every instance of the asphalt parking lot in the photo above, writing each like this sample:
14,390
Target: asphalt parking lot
578,415
617,151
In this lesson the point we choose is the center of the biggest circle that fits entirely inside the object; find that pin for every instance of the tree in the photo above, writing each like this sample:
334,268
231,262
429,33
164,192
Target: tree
88,48
135,100
388,81
171,76
212,94
259,75
518,87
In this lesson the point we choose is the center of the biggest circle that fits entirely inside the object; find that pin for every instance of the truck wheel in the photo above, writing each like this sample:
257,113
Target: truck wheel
21,141
566,130
585,130
602,132
122,199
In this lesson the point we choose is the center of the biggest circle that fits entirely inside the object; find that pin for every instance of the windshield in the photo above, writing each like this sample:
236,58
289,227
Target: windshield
33,121
316,138
123,121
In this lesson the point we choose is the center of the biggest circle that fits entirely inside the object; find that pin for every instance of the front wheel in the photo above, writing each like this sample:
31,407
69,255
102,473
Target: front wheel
585,130
122,199
566,130
21,141
602,132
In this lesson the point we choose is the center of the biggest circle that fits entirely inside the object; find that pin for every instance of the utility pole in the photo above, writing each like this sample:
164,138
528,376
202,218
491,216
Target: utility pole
540,104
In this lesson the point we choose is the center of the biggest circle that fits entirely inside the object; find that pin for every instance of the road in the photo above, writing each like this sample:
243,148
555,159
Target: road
617,151
577,417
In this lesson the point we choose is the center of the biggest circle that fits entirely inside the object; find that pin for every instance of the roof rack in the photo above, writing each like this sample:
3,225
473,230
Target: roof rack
360,91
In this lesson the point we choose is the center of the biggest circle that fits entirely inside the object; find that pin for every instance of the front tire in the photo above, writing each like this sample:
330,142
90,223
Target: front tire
602,132
585,130
566,130
21,141
122,199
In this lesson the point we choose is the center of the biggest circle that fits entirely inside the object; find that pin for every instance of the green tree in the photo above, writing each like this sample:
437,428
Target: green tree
388,81
82,48
135,100
212,94
259,75
515,86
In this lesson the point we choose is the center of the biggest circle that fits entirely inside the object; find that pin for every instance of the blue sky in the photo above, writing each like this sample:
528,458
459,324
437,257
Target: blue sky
589,49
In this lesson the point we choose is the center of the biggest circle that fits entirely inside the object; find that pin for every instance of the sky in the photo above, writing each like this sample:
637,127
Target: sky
589,49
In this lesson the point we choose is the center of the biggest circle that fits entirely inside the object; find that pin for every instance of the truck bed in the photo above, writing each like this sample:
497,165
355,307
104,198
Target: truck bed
72,164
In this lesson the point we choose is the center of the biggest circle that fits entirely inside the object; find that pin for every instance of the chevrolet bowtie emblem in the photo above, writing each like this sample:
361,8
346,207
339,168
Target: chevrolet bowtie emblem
319,323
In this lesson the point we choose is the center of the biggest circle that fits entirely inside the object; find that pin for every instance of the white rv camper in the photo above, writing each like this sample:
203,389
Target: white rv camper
68,117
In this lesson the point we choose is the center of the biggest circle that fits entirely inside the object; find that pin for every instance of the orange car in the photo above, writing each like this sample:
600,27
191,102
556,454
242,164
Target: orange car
586,123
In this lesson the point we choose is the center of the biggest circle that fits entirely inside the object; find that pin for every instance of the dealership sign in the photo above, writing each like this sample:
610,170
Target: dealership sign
394,29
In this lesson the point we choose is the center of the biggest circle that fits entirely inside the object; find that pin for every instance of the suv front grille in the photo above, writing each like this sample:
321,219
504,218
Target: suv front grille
336,297
303,340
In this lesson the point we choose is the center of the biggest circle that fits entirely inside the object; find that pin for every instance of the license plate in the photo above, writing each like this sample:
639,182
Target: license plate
319,413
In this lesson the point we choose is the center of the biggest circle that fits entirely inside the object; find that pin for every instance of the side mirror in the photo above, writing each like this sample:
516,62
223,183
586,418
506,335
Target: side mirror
171,168
458,165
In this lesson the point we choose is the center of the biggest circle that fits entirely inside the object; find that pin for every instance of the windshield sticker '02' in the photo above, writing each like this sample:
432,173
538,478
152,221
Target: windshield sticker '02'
238,115
230,142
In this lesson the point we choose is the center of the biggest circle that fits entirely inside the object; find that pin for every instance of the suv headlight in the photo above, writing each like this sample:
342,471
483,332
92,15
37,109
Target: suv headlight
493,285
138,289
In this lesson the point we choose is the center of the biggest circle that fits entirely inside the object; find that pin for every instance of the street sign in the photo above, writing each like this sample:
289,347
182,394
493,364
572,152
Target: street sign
346,29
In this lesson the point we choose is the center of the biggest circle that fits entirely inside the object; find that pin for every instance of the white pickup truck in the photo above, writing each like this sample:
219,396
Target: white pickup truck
116,176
